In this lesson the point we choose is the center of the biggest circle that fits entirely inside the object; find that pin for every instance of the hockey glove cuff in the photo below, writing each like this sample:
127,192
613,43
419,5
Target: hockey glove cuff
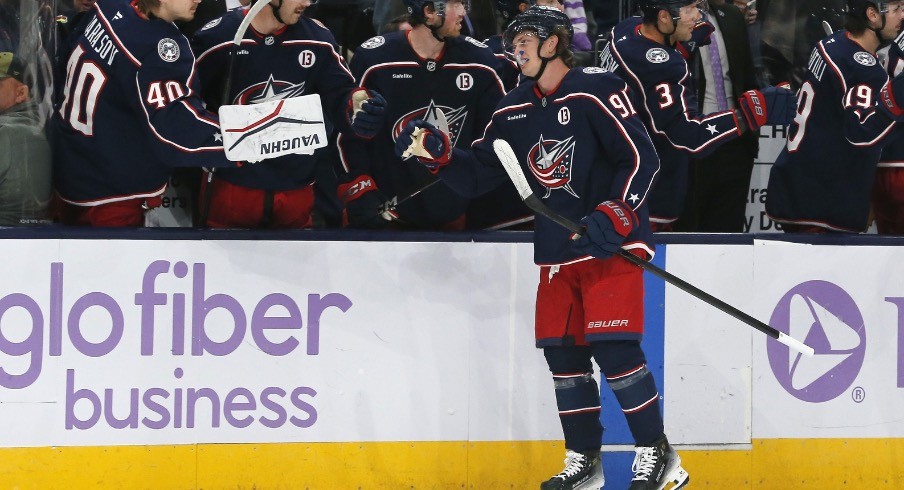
773,106
363,203
606,227
366,111
425,141
889,100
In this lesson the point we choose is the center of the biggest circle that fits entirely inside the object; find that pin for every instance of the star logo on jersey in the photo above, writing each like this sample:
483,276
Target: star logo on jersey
550,161
270,90
634,198
455,117
712,128
827,319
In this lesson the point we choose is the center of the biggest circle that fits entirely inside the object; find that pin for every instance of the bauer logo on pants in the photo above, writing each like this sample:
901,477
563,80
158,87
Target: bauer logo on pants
825,317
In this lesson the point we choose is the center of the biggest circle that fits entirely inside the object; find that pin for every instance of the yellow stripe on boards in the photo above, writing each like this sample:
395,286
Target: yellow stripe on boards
773,464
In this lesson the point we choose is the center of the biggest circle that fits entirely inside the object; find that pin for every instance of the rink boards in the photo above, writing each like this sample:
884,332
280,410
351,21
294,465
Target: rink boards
318,363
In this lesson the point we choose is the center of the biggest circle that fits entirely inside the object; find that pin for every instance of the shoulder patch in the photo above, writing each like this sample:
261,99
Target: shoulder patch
594,69
475,42
168,50
212,23
864,58
373,42
657,55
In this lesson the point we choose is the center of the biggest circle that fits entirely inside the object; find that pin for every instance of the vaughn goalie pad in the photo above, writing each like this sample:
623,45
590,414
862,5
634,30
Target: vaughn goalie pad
272,129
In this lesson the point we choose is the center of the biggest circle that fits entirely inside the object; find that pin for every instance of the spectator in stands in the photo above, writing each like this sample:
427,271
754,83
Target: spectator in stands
24,150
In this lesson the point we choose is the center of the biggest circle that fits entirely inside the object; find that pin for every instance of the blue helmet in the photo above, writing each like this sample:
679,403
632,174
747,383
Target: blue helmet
540,19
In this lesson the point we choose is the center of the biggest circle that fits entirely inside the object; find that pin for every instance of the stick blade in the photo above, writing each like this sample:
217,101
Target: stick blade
512,167
795,344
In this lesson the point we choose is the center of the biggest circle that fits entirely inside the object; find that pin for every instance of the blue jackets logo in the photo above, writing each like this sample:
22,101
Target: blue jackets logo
826,318
550,162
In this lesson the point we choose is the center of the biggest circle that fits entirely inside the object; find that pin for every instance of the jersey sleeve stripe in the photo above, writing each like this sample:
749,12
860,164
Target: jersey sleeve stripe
103,18
108,200
224,44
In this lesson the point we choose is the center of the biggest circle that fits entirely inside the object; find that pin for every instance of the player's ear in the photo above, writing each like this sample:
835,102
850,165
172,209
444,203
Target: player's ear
550,45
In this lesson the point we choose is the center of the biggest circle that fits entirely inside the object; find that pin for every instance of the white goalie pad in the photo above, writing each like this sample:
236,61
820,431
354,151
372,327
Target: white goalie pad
272,129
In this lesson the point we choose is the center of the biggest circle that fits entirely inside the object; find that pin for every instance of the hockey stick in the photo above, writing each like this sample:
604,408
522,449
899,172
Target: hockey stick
227,87
513,169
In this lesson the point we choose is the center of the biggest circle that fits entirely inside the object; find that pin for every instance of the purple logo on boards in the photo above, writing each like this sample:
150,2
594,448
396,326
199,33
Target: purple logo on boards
826,318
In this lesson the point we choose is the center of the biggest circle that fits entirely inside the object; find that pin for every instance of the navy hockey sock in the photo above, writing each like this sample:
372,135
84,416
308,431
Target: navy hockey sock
624,365
577,397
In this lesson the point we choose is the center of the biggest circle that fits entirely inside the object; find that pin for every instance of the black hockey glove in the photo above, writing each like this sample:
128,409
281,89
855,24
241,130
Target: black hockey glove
366,111
362,200
890,98
606,227
431,146
772,106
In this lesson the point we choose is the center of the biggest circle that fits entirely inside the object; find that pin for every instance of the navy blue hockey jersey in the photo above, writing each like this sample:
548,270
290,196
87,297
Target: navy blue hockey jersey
130,109
659,79
462,82
824,175
299,59
580,145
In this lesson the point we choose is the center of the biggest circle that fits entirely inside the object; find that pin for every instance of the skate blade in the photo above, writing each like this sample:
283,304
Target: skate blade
677,478
595,483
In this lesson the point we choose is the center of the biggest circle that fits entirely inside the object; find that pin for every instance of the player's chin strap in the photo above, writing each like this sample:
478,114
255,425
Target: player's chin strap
276,12
434,30
543,62
668,35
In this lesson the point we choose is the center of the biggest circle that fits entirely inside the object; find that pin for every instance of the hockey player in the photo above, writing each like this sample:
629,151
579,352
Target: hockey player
888,189
646,57
130,113
588,156
419,71
283,54
821,180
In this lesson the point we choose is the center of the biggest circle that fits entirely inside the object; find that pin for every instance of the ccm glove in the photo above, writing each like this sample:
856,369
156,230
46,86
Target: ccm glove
363,202
890,98
772,106
366,110
606,227
423,140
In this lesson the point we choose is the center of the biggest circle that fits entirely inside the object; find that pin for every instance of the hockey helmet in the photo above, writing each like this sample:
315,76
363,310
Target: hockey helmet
542,20
857,8
651,8
416,7
509,8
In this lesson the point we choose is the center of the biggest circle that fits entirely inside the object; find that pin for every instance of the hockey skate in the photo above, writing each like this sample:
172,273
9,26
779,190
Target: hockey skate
583,471
656,466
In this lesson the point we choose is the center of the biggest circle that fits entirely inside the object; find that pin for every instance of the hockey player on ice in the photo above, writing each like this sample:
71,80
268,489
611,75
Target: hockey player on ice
646,57
582,120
